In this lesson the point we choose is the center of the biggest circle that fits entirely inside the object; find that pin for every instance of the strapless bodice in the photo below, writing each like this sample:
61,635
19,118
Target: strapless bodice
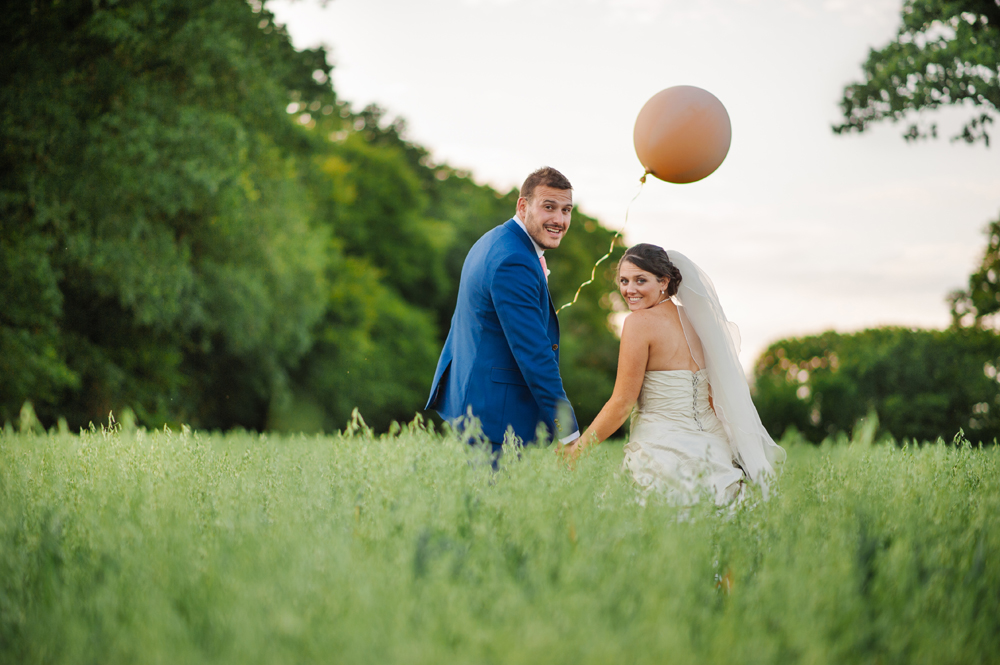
678,395
676,441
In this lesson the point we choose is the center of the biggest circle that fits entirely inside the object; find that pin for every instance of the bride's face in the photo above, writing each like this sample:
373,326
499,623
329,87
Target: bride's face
639,288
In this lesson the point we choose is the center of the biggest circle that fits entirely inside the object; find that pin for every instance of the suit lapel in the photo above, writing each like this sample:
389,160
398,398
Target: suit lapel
515,228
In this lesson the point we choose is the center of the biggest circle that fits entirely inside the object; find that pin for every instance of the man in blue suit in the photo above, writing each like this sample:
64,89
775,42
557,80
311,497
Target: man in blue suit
501,358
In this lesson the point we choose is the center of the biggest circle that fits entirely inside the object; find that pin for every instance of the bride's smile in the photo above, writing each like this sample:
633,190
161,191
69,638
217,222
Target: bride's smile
639,288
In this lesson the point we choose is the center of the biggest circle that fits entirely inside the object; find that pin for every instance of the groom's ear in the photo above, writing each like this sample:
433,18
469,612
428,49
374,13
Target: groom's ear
522,205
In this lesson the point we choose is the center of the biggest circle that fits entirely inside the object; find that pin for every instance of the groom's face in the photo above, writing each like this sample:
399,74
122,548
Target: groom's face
546,215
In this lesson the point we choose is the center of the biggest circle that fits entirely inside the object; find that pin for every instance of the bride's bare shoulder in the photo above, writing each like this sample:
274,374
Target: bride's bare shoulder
651,320
637,319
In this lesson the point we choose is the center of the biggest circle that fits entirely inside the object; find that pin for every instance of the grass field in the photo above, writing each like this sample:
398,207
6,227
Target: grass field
150,547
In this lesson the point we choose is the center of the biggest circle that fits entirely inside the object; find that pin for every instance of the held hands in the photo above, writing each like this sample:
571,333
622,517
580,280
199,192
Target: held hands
570,451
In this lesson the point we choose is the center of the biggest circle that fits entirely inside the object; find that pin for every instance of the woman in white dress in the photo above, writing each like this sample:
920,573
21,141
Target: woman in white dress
694,429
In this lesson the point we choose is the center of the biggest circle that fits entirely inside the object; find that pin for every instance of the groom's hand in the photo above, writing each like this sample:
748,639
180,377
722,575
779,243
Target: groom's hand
571,451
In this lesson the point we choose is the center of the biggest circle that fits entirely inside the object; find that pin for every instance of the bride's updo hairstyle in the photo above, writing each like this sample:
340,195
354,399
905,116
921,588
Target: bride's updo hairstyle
654,260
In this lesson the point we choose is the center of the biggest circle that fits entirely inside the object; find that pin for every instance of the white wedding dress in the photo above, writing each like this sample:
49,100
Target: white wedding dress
679,444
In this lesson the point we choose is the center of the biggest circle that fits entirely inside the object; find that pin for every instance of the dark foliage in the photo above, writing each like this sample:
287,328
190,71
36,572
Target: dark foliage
979,304
947,52
922,384
194,227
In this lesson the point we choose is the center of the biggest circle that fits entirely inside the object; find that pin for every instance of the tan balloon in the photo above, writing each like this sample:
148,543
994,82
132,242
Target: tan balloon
682,134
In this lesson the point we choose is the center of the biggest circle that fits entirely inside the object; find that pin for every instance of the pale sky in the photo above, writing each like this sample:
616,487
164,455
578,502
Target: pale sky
801,230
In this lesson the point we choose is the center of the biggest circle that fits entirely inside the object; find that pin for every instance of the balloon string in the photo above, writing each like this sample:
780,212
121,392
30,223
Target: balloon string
614,239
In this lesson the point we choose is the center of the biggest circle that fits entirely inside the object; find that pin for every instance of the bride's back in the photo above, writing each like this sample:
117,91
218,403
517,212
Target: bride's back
668,348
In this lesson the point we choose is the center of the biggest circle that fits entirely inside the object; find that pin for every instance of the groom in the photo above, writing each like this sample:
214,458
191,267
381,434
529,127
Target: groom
501,359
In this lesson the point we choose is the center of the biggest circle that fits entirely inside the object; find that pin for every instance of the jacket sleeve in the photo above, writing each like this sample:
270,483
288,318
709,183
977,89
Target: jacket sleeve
516,296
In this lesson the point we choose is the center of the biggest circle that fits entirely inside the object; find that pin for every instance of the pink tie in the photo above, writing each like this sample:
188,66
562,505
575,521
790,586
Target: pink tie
545,269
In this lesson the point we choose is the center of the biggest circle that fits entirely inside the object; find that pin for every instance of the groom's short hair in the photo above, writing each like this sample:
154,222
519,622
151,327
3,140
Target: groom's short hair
545,177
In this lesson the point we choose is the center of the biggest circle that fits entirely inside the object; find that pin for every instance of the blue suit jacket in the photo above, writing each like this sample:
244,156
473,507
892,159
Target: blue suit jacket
501,357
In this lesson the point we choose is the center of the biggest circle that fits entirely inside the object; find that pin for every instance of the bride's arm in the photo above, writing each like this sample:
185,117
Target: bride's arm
632,356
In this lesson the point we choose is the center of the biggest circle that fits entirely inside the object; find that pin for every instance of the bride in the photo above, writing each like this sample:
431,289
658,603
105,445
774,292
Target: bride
694,428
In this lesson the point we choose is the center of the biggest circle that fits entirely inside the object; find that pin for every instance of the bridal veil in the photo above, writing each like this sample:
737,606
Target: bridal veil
714,344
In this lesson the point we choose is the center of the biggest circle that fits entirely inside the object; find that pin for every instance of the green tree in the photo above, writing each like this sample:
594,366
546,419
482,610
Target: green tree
947,52
192,225
157,247
373,351
978,305
922,384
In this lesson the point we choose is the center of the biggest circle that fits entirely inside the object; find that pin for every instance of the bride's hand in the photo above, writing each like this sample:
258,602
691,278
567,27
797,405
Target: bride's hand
570,451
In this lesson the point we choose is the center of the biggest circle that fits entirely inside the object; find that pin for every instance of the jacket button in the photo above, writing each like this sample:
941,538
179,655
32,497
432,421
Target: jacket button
555,347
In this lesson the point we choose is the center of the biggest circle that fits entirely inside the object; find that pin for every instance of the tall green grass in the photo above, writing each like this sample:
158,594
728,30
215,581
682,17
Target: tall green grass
151,547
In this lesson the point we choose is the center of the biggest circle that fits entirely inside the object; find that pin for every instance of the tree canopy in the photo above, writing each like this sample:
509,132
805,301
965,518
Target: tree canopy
195,227
947,52
978,305
156,231
922,384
